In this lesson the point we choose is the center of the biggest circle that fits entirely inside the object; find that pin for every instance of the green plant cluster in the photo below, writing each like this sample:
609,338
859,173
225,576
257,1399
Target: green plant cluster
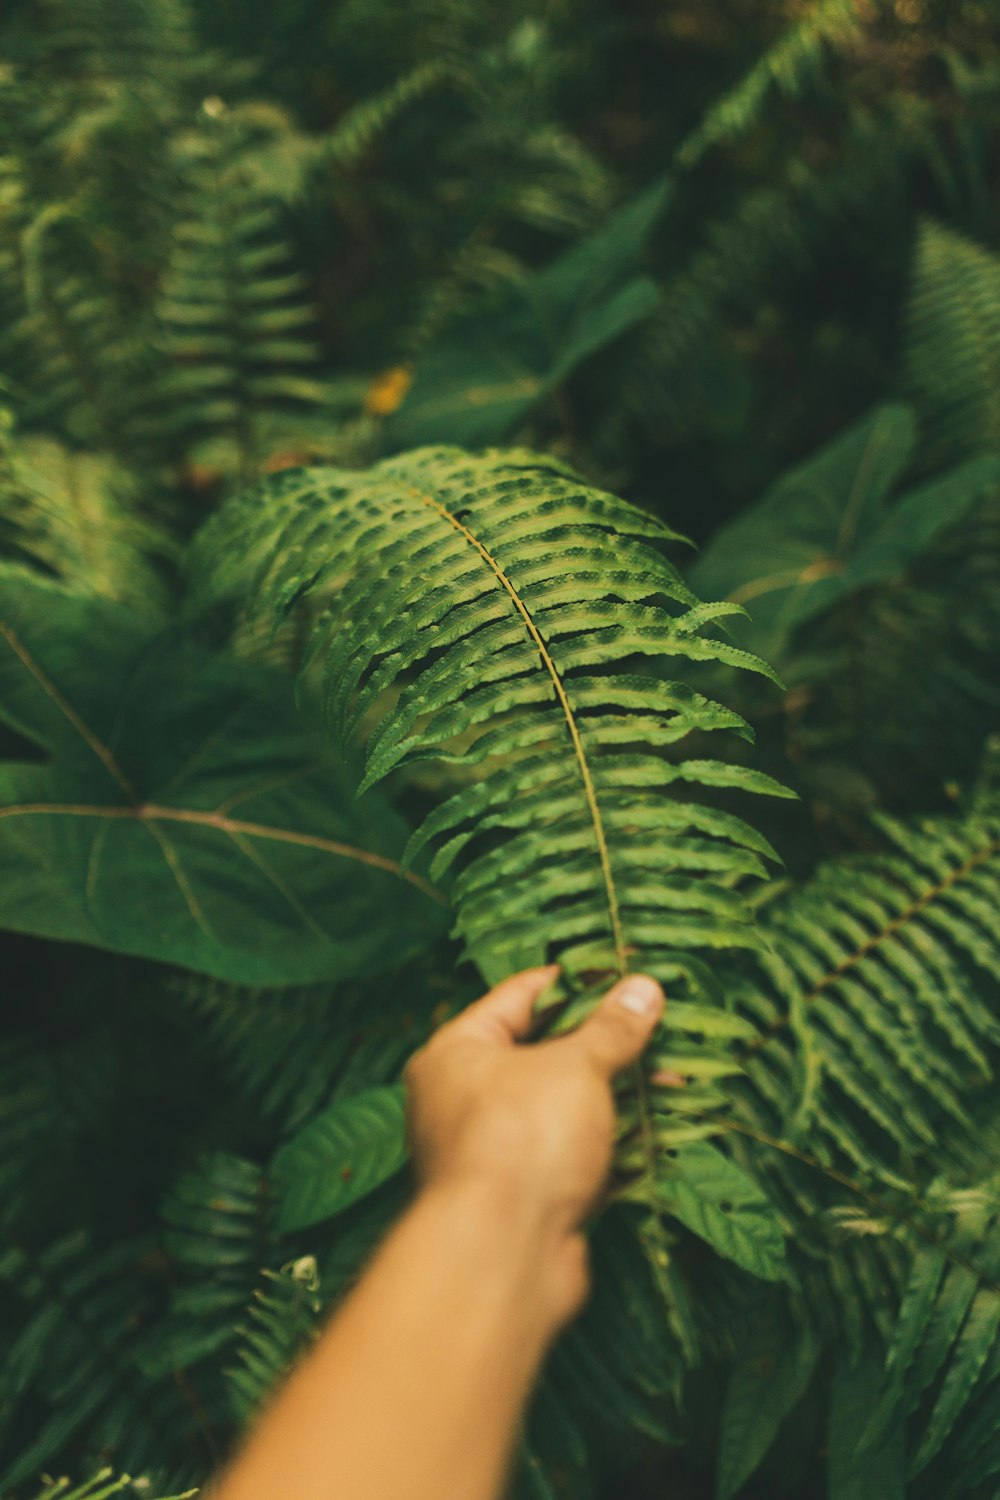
363,369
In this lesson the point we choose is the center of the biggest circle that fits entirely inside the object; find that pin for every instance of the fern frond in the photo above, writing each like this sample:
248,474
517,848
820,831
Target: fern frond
102,1486
218,1236
787,67
216,1241
77,1345
951,357
866,1108
280,1050
775,1360
87,360
286,1052
76,517
946,1344
134,44
233,326
287,162
355,133
525,627
89,199
873,1026
523,606
773,230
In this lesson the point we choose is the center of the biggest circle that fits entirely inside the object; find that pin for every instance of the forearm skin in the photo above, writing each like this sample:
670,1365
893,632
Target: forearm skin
415,1390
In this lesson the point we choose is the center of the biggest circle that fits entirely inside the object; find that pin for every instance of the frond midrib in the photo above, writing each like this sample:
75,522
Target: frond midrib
886,934
573,729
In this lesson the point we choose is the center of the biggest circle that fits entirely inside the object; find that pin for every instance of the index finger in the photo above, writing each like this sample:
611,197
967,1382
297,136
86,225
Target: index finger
506,1013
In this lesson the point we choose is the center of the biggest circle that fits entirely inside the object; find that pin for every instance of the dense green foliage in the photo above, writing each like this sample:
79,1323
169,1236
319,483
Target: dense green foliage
360,366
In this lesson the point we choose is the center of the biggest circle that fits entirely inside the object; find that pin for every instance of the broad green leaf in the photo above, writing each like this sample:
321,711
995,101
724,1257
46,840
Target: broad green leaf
182,809
495,365
772,1372
828,530
716,1200
345,1153
973,1347
856,1472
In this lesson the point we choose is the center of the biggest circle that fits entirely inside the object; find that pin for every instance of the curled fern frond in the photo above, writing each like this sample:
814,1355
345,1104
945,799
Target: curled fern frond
283,1319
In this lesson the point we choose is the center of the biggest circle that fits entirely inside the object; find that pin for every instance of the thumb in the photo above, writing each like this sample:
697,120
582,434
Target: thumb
616,1032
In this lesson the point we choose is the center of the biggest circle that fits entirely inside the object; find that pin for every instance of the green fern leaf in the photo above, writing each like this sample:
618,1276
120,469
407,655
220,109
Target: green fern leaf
947,1335
522,623
875,1043
483,581
286,1053
478,589
786,67
102,1487
78,1331
218,1236
976,1342
951,358
231,320
873,981
74,516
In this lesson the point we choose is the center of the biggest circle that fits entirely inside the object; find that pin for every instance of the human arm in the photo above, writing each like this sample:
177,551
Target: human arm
415,1389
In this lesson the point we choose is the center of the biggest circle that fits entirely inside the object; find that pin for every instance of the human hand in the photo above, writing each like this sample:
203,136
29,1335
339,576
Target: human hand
532,1125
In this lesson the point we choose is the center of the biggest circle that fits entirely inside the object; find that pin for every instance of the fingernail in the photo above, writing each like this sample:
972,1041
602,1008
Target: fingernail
640,995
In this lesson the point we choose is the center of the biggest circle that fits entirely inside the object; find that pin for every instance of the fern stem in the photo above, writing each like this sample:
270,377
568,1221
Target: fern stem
853,1186
600,837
